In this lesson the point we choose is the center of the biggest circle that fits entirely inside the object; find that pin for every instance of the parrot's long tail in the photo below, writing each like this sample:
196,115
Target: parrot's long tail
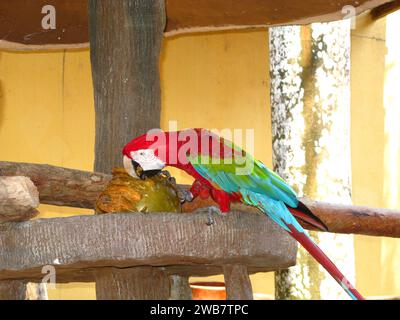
302,213
281,214
321,257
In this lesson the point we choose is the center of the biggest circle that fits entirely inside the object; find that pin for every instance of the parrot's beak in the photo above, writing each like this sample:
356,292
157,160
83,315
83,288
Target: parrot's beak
142,168
143,174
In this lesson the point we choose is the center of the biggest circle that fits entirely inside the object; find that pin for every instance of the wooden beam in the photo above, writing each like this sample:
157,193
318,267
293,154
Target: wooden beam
19,199
80,247
125,39
75,188
237,282
183,17
385,9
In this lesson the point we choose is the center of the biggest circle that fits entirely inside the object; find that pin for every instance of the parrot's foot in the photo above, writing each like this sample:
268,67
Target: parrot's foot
185,196
170,178
211,210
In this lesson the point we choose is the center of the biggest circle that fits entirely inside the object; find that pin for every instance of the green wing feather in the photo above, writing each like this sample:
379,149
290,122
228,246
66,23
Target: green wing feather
244,174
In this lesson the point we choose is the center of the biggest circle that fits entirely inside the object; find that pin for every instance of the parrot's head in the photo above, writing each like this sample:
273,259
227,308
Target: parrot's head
140,158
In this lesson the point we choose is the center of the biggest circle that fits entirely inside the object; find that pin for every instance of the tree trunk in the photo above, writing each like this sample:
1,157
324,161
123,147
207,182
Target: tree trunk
310,98
125,44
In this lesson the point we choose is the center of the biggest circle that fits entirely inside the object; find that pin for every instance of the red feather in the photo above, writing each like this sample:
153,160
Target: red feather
321,257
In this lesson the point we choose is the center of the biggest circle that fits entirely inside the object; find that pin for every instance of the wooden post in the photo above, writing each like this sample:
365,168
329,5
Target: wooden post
22,290
180,288
12,290
141,283
125,45
237,282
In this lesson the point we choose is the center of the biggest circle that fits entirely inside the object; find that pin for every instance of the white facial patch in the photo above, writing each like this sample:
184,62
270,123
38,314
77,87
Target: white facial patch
147,160
129,167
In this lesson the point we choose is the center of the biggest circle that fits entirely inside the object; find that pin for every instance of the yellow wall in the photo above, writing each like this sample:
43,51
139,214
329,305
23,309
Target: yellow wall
375,150
47,116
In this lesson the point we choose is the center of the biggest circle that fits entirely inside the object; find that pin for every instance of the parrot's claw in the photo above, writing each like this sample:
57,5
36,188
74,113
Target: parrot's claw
185,196
170,178
211,210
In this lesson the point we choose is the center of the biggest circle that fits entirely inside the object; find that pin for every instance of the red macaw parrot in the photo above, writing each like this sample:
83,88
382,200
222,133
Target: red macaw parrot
229,174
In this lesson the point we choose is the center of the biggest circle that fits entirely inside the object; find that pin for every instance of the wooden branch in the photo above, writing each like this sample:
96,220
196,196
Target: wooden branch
19,199
339,218
357,219
60,186
385,9
78,247
68,187
237,283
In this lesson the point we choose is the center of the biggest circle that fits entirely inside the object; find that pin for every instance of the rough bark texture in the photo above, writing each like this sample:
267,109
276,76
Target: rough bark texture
310,111
182,241
81,189
13,290
125,45
286,92
125,38
237,282
180,288
139,283
60,186
19,199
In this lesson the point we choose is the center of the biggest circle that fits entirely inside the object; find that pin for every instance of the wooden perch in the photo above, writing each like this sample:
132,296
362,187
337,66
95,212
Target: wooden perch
19,199
79,247
60,186
68,187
